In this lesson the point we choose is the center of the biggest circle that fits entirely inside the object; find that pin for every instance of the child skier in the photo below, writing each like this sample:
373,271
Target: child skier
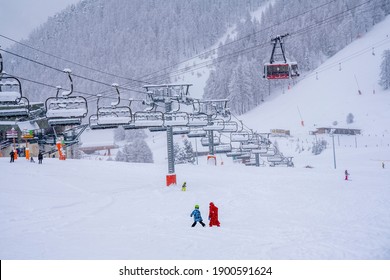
197,216
346,174
213,215
184,187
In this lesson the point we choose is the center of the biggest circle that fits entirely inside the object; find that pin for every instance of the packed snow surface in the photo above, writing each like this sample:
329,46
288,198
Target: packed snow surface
86,209
80,209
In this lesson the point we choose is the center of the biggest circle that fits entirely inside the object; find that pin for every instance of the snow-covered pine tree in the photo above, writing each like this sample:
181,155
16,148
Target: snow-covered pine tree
119,134
176,152
189,152
385,70
137,151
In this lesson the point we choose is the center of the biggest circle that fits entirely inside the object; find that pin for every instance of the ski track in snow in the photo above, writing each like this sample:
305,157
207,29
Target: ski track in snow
109,210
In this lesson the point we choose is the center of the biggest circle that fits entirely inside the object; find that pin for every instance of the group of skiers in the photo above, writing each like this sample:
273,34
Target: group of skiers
213,213
213,216
40,157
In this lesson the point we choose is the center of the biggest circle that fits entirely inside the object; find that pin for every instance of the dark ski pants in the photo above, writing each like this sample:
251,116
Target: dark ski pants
194,224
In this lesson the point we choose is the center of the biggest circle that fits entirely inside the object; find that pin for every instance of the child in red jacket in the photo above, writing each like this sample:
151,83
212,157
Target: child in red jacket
213,215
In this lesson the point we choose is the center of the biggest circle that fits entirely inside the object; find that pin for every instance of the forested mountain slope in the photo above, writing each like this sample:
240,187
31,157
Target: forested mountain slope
128,39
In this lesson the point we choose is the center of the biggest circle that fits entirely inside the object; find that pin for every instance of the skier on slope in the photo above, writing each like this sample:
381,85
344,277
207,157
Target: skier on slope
346,174
197,216
213,215
40,158
12,156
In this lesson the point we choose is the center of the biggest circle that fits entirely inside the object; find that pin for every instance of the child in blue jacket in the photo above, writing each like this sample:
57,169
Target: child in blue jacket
197,216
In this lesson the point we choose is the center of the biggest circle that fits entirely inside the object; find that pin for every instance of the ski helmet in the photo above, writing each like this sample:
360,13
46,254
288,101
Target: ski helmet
196,206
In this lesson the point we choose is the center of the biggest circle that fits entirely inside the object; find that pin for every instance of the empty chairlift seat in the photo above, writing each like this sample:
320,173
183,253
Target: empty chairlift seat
230,126
251,144
234,153
196,120
114,116
66,110
176,119
223,148
239,136
215,125
148,119
205,141
94,123
12,103
196,133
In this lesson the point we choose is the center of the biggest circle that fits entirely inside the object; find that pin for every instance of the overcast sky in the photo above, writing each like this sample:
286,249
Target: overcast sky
19,17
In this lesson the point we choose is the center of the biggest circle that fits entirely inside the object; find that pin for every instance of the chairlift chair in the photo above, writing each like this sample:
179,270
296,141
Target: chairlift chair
257,151
268,152
180,130
197,119
223,148
114,116
65,109
244,155
196,133
146,119
205,141
230,126
12,102
175,119
234,153
251,144
94,123
157,129
239,136
215,125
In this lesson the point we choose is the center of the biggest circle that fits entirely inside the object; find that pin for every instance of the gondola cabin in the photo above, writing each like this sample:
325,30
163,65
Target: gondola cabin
278,71
279,67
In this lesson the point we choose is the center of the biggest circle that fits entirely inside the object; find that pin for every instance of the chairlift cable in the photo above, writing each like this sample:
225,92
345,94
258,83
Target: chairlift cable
69,61
171,66
210,62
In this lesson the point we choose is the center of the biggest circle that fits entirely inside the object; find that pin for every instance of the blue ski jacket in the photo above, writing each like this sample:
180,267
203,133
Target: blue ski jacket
197,216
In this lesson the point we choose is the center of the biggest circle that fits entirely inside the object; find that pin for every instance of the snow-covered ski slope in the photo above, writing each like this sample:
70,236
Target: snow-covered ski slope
331,92
78,209
84,209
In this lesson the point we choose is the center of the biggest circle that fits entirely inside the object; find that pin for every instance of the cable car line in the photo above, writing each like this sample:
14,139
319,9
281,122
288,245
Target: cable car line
59,70
209,51
190,68
69,61
209,62
301,31
171,66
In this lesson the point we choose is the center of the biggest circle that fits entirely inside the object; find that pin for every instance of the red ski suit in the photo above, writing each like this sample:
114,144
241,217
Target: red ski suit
213,215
